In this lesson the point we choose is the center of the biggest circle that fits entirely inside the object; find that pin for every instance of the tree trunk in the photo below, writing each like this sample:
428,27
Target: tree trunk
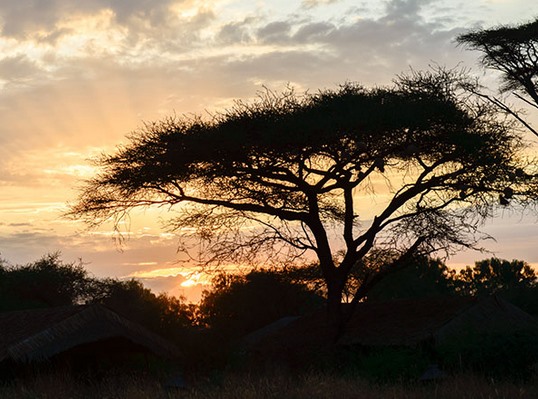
335,313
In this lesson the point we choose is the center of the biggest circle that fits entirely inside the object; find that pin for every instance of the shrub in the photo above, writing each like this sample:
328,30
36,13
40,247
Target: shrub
386,364
499,355
390,364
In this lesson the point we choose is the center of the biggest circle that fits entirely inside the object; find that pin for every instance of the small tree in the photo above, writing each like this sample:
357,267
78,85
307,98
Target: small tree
424,277
237,304
286,175
164,314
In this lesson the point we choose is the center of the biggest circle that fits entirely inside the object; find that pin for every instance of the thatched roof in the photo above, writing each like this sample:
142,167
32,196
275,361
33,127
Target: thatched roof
399,322
408,322
256,336
35,335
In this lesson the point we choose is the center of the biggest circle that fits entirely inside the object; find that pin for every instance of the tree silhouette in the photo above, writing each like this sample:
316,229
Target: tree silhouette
514,280
424,277
167,315
513,51
288,174
46,282
492,276
237,305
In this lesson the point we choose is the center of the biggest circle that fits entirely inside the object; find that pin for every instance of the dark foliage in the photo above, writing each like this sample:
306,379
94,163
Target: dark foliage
495,276
238,304
162,313
391,364
501,355
512,50
166,315
51,282
515,281
423,277
44,283
524,298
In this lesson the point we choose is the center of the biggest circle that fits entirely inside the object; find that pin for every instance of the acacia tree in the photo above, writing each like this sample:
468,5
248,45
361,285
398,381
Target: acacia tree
513,51
288,174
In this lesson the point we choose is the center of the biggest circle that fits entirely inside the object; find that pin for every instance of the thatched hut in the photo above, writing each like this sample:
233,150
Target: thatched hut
405,322
86,331
409,322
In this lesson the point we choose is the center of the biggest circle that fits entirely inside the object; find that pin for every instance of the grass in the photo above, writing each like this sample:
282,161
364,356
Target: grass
270,385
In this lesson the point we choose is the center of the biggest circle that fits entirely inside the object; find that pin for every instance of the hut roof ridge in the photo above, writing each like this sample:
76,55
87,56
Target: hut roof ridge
38,334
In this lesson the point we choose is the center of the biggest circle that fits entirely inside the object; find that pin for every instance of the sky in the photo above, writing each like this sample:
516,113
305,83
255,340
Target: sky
77,76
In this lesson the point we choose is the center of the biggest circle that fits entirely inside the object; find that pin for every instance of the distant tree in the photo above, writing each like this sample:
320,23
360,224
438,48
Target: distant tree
239,304
308,275
513,51
44,283
283,175
515,281
525,298
493,275
418,276
51,282
422,277
164,314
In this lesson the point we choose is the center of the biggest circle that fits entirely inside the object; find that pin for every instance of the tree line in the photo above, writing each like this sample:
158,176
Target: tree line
237,304
50,282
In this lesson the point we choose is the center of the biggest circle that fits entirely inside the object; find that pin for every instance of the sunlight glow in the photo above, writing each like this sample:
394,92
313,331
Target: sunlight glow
168,272
194,279
73,170
91,34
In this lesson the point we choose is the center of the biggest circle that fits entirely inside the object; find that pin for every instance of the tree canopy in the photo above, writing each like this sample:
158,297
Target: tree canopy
288,174
423,277
513,51
44,283
493,275
239,304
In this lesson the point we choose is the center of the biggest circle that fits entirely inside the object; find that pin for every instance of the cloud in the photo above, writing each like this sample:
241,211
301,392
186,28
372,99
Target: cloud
37,167
59,31
404,9
98,97
140,253
275,32
313,32
315,3
101,257
22,17
32,243
313,54
94,99
235,32
17,68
